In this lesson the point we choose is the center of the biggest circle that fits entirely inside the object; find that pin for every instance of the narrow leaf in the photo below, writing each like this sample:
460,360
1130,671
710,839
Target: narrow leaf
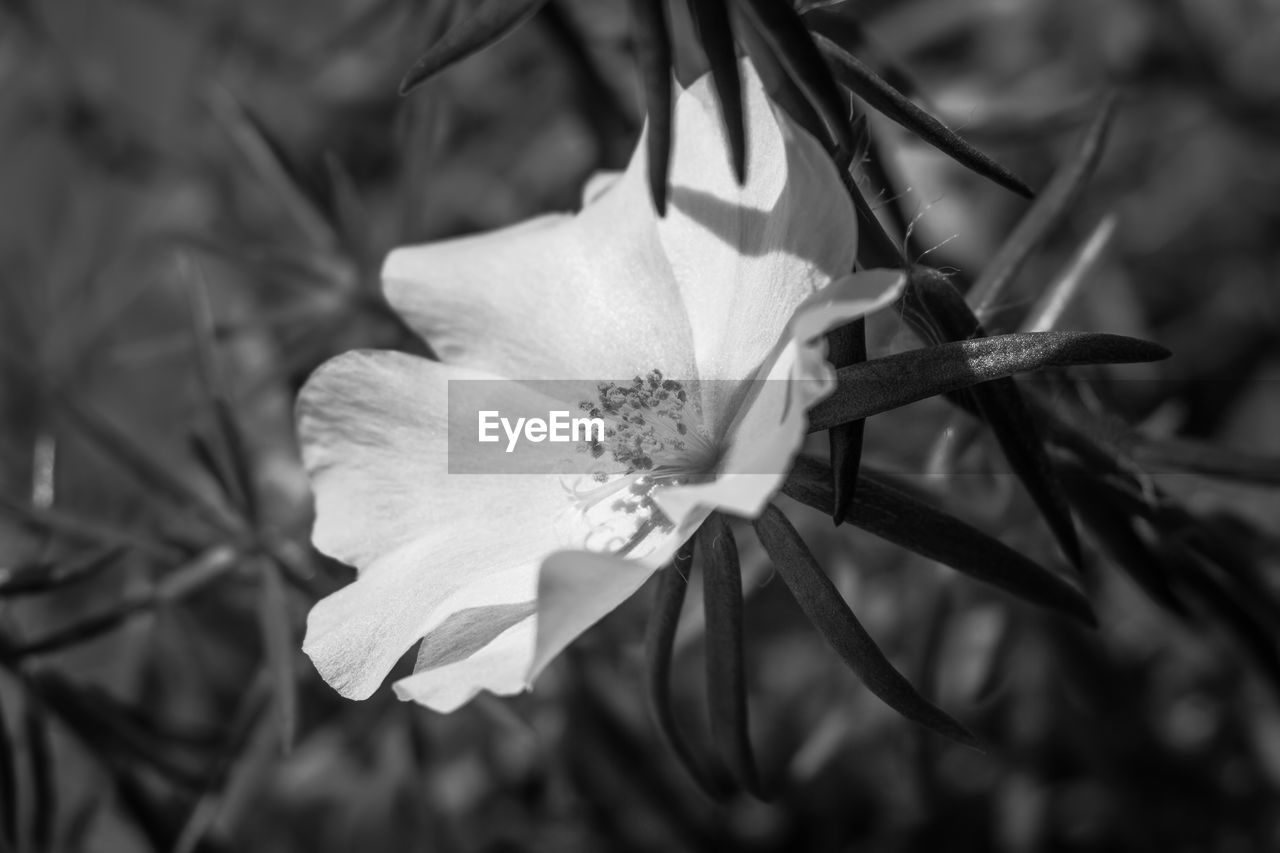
869,86
944,314
1114,530
149,471
8,782
715,33
278,642
489,22
1048,311
659,645
41,577
1049,210
653,56
44,785
822,604
778,84
269,167
839,25
239,477
846,345
876,249
782,30
174,586
726,683
1170,455
895,380
897,517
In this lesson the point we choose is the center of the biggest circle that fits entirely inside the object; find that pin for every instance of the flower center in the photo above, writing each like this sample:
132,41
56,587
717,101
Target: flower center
654,438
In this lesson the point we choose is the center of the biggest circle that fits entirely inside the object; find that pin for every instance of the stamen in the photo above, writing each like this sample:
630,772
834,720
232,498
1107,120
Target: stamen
655,437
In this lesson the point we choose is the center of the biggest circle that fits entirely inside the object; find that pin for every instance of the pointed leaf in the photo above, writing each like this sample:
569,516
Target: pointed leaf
659,644
876,249
1049,210
41,577
653,56
781,89
715,33
238,477
869,86
781,29
1228,608
1048,310
270,168
1114,530
822,604
278,641
1168,455
897,517
943,312
150,472
846,345
490,21
837,23
895,380
8,783
44,785
174,586
726,683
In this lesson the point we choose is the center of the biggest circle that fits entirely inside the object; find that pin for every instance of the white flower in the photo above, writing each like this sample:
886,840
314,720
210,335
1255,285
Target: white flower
735,283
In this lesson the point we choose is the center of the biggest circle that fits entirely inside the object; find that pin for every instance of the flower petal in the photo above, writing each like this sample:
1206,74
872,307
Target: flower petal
746,256
446,556
559,297
373,427
769,429
575,590
500,667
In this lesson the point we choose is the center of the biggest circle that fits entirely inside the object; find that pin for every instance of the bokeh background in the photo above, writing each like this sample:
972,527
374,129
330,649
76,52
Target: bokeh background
195,198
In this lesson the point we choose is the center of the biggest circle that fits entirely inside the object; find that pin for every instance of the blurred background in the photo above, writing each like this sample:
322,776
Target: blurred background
195,198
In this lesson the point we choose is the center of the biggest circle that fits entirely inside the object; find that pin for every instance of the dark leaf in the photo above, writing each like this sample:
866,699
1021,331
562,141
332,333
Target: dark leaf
150,472
781,29
659,645
75,528
276,626
715,32
822,604
1053,302
895,380
941,312
897,517
1175,455
40,577
726,684
1227,608
840,26
222,781
174,586
489,22
1049,210
1114,530
44,786
8,782
781,89
653,56
270,168
110,728
846,345
869,86
238,477
876,248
